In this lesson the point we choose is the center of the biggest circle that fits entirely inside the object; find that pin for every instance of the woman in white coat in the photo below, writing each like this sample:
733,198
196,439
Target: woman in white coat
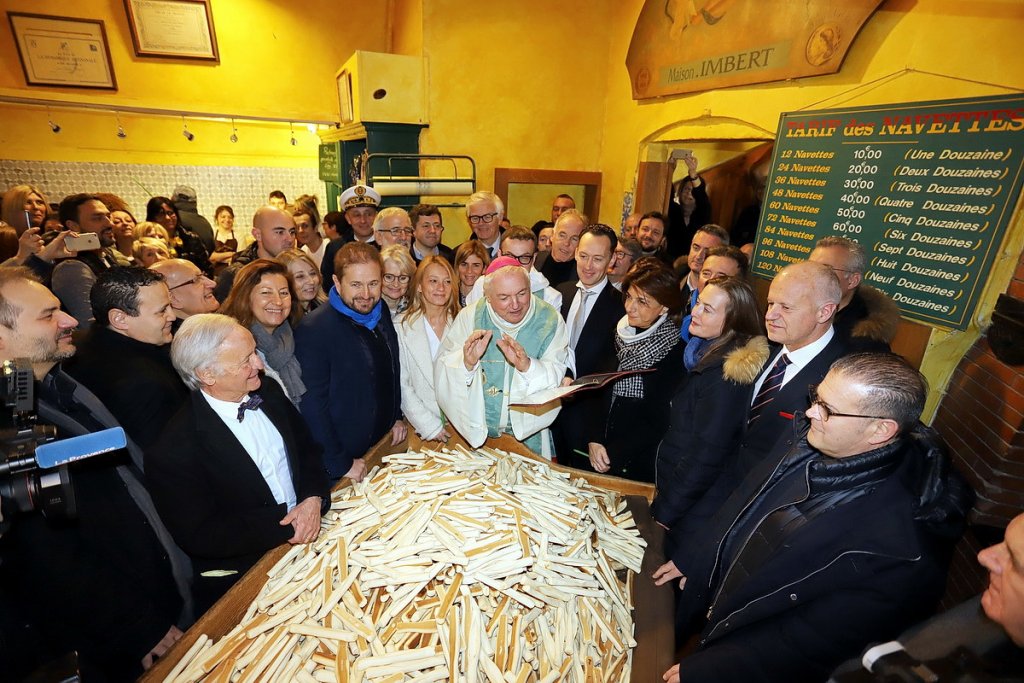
434,303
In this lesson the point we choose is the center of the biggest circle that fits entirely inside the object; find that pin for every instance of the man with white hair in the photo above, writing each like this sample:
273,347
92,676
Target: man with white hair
477,380
236,471
484,211
559,264
393,226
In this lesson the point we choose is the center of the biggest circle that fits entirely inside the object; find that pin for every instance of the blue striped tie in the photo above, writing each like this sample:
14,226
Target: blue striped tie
771,386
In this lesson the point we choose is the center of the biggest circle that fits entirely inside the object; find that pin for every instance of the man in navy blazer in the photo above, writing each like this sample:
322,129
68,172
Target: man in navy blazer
593,344
349,355
236,471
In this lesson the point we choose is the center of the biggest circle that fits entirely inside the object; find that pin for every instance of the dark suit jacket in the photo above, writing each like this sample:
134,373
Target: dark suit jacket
211,494
595,352
778,423
353,383
447,252
134,380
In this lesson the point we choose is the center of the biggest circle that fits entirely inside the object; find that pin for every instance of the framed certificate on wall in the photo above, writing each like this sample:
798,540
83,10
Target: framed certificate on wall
179,29
63,52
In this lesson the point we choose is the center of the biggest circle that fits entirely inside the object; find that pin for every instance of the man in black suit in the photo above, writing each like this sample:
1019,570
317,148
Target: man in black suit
125,357
591,308
427,229
108,583
559,264
236,471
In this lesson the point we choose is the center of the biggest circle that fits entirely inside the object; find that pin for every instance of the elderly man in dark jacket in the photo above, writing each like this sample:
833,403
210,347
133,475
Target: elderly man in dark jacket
844,537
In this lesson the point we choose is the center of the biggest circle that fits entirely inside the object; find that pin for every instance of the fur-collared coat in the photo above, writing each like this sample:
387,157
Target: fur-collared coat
869,322
707,420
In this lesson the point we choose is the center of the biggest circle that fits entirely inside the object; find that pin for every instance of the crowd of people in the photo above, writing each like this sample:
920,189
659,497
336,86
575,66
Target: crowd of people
807,510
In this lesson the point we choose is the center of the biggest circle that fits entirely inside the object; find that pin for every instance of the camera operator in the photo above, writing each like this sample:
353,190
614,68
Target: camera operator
979,641
103,584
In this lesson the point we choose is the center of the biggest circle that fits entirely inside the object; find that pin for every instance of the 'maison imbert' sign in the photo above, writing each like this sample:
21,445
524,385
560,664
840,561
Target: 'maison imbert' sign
928,188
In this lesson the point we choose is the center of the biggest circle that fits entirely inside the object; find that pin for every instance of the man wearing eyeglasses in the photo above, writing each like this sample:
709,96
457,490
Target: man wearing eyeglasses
867,317
392,226
191,291
840,540
519,243
484,211
427,229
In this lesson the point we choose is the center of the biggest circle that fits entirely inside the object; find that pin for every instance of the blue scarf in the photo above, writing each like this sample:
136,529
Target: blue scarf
367,320
684,330
694,351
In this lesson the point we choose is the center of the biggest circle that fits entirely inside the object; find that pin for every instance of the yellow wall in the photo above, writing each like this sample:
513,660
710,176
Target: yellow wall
975,40
518,85
277,59
531,202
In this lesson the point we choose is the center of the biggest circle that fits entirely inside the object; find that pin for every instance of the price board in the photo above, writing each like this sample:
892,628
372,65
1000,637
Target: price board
927,188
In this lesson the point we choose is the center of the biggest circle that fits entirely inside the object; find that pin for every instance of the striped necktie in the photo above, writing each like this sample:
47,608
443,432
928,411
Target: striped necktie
769,389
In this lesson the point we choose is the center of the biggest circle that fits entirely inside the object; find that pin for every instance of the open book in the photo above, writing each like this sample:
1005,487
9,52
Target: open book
594,381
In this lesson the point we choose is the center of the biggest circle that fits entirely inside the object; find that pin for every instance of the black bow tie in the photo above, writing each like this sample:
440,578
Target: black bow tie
254,401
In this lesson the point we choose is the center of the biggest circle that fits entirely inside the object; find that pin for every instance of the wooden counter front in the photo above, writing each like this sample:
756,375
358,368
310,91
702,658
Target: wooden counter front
653,605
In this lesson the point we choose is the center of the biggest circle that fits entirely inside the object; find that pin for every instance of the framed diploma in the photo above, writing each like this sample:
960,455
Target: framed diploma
63,52
180,29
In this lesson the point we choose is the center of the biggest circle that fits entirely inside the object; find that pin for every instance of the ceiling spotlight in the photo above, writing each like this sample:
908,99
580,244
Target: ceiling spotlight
291,127
120,129
234,132
185,131
54,127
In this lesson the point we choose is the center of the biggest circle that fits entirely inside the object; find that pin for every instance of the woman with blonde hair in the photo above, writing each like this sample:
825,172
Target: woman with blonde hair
305,277
471,259
399,268
24,207
434,305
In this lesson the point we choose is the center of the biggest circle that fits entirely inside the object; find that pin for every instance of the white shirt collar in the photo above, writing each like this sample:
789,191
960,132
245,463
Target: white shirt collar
806,354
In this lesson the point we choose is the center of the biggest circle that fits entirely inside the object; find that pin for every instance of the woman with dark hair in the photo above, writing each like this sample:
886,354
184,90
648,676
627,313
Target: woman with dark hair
725,354
182,241
261,299
646,339
434,303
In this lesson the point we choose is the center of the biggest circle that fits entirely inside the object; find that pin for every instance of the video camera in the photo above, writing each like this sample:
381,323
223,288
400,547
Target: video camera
33,464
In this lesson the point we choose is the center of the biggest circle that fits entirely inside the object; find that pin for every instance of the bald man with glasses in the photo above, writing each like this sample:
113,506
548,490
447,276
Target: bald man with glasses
825,546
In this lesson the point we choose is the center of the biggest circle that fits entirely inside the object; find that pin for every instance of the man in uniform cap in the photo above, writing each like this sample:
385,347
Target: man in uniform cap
359,203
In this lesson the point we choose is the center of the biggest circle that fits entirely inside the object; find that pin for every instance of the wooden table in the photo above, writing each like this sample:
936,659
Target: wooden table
654,606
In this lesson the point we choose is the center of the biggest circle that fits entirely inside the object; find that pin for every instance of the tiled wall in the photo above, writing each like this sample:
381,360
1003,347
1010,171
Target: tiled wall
244,188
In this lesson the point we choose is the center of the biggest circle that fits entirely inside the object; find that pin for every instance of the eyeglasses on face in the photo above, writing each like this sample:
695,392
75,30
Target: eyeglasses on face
391,279
483,218
399,232
826,412
524,259
196,280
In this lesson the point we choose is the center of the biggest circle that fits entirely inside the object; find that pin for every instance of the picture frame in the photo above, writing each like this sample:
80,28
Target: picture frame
65,52
174,29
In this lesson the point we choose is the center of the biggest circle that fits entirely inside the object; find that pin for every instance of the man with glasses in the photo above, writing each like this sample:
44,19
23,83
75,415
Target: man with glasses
559,264
867,317
427,230
842,538
484,211
520,243
392,226
191,291
626,253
